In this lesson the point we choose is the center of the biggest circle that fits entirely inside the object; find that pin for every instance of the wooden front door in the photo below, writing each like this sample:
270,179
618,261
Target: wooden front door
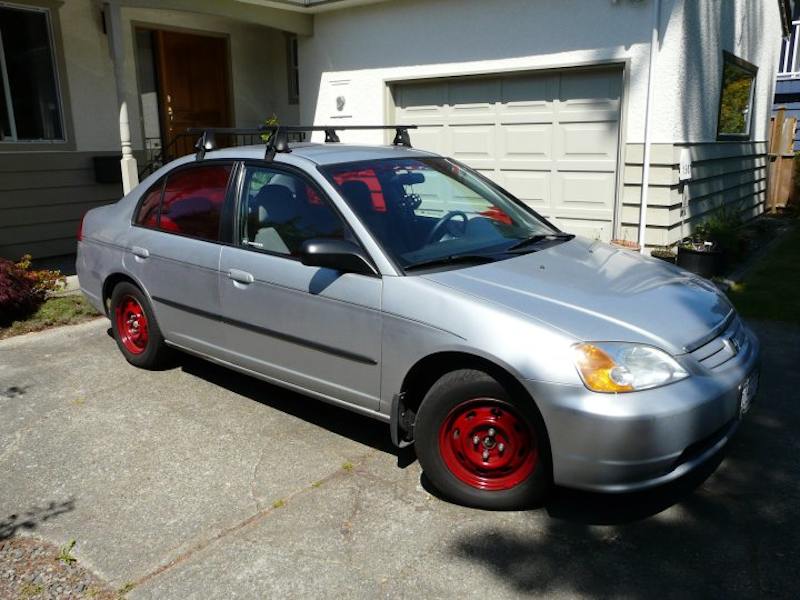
193,85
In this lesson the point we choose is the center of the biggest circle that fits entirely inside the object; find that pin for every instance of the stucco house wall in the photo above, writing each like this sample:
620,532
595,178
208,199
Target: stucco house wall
358,53
689,79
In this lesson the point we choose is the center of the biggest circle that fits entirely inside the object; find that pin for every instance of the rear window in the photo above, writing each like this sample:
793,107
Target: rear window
191,203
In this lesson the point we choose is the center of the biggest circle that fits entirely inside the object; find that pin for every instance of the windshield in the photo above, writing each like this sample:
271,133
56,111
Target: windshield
430,210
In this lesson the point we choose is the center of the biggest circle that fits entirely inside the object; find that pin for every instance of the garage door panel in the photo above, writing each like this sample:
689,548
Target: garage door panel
596,230
589,91
527,99
420,116
592,192
477,94
589,143
473,142
526,142
420,104
532,187
422,95
550,138
430,138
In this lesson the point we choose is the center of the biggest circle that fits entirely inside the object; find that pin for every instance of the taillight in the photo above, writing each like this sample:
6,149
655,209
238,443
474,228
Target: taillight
80,229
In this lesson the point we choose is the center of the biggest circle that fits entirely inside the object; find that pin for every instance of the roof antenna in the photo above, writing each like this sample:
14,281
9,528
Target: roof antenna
206,143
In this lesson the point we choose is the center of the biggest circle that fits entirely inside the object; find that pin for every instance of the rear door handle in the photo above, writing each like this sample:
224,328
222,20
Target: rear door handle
140,252
240,276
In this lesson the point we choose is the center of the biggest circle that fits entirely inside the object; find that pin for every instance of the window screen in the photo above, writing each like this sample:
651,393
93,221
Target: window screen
193,200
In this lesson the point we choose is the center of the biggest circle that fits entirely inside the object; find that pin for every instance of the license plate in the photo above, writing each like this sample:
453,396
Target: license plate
748,392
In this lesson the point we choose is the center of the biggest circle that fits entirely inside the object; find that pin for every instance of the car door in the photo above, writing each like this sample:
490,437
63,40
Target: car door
175,251
310,327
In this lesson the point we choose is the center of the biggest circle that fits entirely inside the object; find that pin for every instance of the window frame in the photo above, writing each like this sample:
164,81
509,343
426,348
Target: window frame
292,69
224,229
730,58
239,209
45,8
324,171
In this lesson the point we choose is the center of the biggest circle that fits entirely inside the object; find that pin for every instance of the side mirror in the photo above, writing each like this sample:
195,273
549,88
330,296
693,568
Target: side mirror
341,255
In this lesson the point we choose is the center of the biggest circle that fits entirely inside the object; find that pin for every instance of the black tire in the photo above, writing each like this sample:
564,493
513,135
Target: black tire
453,394
154,354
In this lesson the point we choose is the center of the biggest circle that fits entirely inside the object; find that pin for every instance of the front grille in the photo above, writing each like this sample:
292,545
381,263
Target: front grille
720,350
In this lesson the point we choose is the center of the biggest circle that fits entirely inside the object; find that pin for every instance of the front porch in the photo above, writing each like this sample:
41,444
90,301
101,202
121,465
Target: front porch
223,64
130,76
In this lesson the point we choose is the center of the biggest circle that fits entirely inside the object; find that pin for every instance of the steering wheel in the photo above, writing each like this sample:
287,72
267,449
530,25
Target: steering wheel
439,229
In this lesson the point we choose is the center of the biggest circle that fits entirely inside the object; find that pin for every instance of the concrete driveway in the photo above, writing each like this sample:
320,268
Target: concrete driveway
196,482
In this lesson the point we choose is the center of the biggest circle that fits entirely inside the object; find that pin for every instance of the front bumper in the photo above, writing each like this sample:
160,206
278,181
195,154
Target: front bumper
629,442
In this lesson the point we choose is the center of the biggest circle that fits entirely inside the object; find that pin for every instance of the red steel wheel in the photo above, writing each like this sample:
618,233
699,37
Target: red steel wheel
486,444
132,324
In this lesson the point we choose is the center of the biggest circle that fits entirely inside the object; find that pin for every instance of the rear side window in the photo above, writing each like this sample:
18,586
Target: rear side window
193,199
148,209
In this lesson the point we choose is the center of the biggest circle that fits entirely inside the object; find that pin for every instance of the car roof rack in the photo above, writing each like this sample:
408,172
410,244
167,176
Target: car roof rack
279,140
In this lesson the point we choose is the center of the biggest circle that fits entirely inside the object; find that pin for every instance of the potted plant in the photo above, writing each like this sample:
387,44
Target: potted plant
714,244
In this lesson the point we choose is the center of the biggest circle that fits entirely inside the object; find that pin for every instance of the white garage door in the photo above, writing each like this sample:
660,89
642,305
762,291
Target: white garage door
550,138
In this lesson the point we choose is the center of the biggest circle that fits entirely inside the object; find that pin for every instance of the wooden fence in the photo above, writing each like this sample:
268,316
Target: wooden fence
780,189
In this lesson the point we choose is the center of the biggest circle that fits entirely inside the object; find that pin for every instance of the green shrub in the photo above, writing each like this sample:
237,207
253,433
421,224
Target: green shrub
22,291
723,229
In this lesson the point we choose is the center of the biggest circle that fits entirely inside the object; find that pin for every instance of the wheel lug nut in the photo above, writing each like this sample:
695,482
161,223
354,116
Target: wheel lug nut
492,432
501,447
476,440
485,455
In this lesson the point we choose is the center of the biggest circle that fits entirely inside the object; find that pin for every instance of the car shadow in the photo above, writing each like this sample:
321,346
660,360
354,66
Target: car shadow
591,508
340,421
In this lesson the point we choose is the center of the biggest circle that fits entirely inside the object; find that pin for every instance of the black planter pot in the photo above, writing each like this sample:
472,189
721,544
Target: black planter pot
701,262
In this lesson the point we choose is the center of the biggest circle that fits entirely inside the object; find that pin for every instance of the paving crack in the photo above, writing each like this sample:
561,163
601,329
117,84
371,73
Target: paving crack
226,532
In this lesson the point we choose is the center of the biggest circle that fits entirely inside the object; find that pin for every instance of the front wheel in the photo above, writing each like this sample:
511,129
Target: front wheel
480,447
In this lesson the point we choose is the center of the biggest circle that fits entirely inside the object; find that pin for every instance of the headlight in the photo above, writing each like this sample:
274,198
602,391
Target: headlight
623,367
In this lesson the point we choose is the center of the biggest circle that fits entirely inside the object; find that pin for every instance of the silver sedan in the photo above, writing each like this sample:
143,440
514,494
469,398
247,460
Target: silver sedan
405,286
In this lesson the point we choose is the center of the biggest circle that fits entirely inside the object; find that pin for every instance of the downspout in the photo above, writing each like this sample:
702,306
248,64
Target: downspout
130,172
647,125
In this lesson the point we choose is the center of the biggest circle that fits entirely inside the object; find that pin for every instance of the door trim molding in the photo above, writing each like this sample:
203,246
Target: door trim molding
285,337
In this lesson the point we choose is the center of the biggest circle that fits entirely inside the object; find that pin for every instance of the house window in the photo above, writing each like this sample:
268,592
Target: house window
292,69
736,98
30,108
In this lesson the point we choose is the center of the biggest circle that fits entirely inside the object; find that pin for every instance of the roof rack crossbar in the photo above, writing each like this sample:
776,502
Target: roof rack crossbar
279,140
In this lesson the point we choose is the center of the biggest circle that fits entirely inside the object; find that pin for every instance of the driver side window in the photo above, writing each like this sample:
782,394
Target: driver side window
280,211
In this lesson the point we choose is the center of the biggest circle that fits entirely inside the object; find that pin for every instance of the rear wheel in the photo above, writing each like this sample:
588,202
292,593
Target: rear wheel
481,447
135,329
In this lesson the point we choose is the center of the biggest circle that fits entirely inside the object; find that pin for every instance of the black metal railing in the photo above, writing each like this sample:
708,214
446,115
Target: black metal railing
184,143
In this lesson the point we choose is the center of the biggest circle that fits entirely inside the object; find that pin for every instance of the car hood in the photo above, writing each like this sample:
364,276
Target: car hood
593,291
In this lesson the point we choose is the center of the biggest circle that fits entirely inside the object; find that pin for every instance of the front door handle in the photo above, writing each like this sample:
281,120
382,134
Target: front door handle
240,276
140,252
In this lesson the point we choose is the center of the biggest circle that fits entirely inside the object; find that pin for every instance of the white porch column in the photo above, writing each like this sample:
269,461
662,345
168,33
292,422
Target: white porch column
130,171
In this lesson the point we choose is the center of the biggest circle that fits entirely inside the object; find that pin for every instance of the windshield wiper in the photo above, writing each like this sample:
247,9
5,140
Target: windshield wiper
453,259
539,237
